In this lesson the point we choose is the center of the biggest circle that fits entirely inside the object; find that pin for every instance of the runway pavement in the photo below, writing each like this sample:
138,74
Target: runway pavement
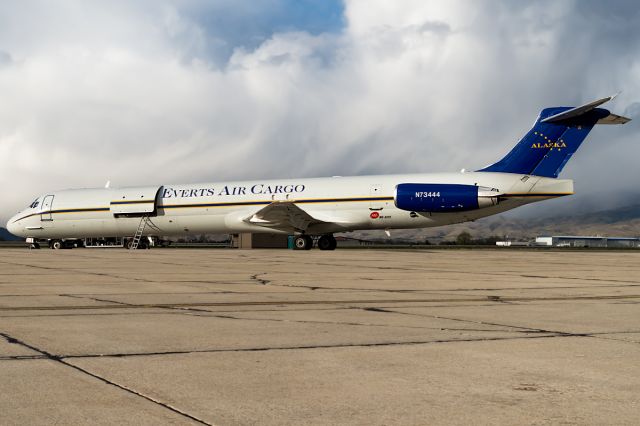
225,337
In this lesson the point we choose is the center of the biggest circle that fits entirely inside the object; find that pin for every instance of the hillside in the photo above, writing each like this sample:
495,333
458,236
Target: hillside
7,236
623,221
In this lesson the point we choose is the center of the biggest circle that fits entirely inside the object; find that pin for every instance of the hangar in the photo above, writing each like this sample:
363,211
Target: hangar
582,241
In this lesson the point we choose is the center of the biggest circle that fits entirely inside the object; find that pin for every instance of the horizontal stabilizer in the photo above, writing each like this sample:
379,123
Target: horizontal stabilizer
584,109
613,119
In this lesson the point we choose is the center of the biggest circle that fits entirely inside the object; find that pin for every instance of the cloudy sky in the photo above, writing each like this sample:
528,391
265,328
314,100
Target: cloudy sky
160,91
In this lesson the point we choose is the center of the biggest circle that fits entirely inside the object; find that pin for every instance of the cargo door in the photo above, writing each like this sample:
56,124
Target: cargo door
46,207
135,201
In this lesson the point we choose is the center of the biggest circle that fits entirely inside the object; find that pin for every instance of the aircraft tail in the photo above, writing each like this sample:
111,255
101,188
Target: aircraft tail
555,136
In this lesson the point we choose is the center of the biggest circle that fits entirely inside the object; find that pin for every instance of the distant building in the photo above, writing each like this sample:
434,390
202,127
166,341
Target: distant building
581,241
510,243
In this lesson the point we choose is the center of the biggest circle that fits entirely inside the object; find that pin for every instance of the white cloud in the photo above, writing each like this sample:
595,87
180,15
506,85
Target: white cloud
136,94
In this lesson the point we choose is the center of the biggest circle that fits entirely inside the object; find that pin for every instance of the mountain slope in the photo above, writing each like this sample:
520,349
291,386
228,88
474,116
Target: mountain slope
622,221
7,236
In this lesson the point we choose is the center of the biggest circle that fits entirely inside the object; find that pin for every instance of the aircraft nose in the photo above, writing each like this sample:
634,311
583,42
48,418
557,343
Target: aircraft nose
13,226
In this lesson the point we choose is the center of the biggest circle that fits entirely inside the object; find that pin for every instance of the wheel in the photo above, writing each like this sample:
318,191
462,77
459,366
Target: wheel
309,242
303,242
35,246
56,244
300,242
327,242
128,244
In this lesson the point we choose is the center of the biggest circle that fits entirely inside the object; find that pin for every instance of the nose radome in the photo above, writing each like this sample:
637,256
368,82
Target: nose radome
13,226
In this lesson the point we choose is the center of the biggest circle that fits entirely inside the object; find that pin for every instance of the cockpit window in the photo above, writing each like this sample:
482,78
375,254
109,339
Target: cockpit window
34,204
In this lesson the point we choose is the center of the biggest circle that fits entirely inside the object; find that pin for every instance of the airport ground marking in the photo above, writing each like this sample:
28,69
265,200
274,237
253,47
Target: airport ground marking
61,360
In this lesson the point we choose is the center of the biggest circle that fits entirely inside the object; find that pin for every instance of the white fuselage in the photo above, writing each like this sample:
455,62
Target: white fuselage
338,203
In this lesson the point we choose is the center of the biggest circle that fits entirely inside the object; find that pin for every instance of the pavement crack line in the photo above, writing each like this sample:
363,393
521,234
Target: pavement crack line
529,329
604,336
95,299
553,333
214,315
318,346
594,335
61,360
22,357
262,281
78,271
328,302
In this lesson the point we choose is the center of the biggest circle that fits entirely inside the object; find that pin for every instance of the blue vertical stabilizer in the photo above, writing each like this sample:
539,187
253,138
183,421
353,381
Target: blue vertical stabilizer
554,138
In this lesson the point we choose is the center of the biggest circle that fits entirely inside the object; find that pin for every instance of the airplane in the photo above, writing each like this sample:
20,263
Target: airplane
316,208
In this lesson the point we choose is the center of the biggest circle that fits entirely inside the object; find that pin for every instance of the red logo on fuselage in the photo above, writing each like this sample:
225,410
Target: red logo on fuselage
374,215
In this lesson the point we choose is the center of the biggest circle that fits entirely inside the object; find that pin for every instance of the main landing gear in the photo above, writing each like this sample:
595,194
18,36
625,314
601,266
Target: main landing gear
305,242
327,242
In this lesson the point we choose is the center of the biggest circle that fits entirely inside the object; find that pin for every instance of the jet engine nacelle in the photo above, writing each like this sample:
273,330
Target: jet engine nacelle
443,198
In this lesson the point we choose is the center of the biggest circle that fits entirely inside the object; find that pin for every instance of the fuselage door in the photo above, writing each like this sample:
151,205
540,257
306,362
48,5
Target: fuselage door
45,208
141,201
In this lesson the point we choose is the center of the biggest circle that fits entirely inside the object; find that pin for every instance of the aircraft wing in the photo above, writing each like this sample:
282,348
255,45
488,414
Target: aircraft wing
284,215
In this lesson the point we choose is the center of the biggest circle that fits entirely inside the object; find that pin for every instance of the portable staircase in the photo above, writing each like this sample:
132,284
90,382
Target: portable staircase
144,220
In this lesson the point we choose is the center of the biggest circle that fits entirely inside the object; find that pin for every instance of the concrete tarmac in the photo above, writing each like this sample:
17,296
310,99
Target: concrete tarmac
225,337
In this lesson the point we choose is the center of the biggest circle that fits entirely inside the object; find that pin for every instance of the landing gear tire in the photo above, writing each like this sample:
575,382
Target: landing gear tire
128,244
56,244
327,242
34,246
303,242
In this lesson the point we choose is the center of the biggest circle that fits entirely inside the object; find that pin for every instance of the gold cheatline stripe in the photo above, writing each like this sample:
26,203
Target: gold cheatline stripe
259,202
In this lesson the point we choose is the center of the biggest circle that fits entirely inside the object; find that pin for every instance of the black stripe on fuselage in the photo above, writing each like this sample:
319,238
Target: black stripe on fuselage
83,210
132,202
94,209
203,205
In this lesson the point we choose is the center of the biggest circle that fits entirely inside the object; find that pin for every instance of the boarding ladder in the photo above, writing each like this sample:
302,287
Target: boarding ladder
144,220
